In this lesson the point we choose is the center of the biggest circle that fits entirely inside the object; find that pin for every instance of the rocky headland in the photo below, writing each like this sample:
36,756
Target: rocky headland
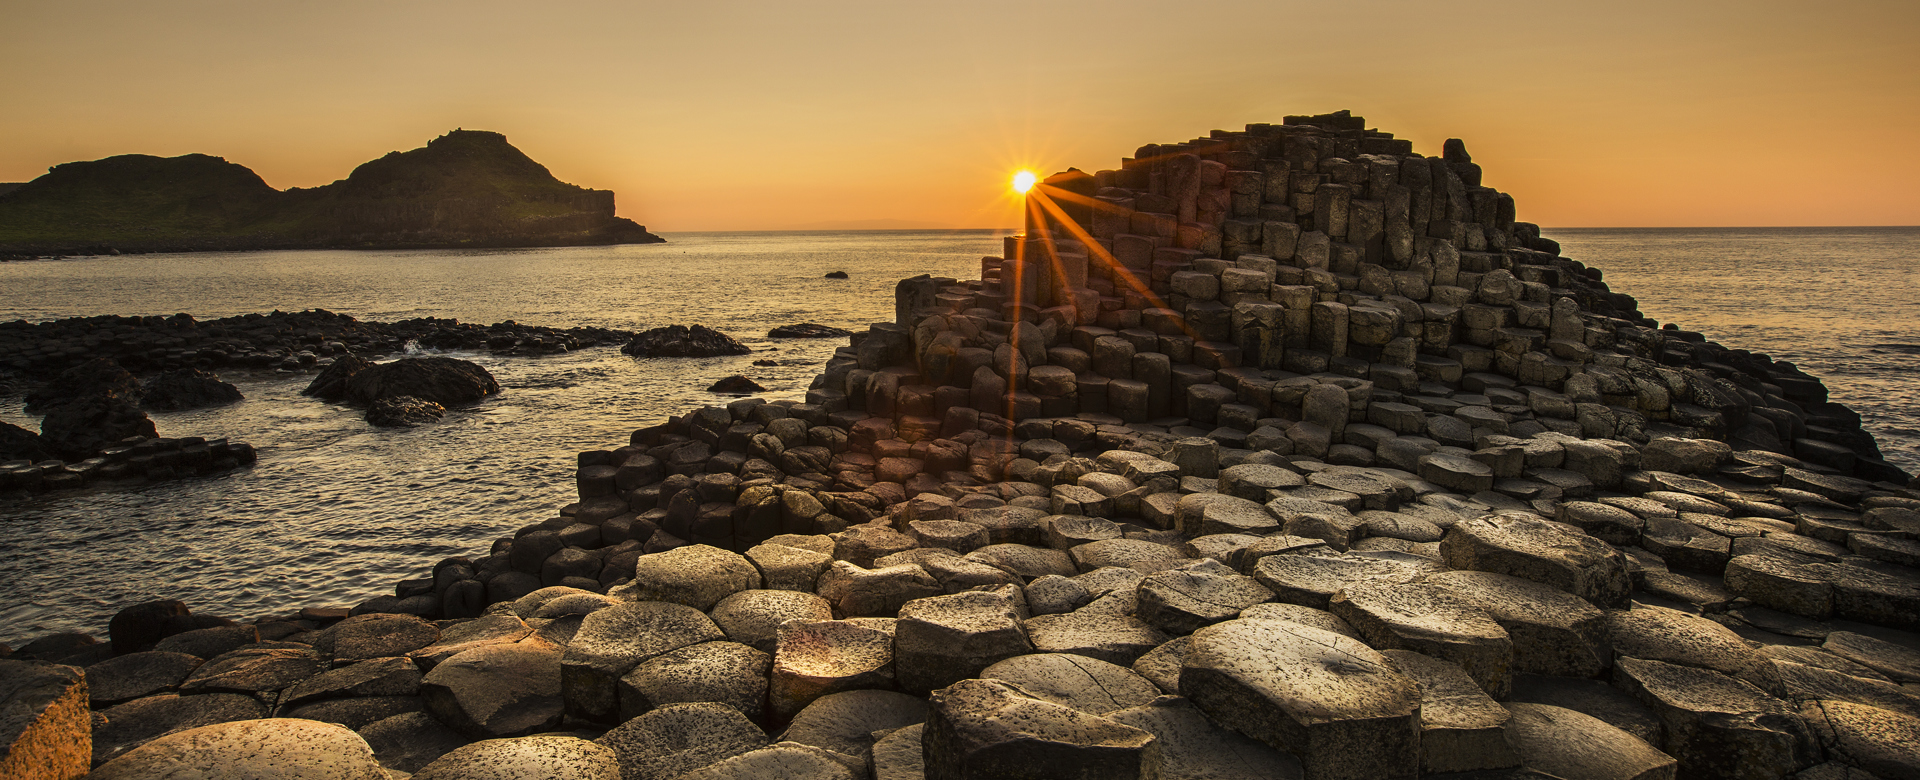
1280,453
465,189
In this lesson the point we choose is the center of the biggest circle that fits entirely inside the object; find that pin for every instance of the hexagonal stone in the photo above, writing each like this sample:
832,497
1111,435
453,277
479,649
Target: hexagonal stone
858,592
1559,742
1306,616
1883,742
988,729
1898,662
357,711
44,720
784,567
1427,619
612,641
1085,684
899,756
1054,594
1716,726
1180,601
210,641
1461,475
485,630
727,673
1251,481
1462,729
1591,697
374,636
1129,553
1114,637
698,576
1533,548
142,720
1779,579
497,690
1340,707
1311,578
544,757
753,617
1675,637
134,675
845,722
956,535
1069,531
1161,665
680,738
409,741
1193,748
374,677
253,670
1025,561
270,749
778,762
1553,631
943,639
817,658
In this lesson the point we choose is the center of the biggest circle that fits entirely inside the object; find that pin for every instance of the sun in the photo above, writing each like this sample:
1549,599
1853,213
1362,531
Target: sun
1024,181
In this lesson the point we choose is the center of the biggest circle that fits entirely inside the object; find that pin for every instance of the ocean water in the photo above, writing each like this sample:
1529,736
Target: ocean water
336,511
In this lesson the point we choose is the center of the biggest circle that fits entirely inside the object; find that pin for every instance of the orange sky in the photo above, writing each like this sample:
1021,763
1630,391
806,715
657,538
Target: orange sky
723,115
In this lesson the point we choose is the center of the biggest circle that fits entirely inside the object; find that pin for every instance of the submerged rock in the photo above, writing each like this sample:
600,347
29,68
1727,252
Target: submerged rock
403,411
77,430
187,388
735,385
442,380
808,330
683,341
836,275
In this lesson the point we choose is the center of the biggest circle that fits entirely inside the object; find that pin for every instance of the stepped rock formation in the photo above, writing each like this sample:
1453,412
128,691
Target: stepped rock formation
468,188
1280,453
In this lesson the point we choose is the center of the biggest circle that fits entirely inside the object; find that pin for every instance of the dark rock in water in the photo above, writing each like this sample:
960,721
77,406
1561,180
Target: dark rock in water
143,625
807,330
737,385
99,376
682,341
442,380
836,274
17,443
331,384
187,388
78,429
403,411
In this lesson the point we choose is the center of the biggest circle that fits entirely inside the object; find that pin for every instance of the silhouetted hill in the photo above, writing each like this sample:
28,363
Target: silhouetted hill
468,188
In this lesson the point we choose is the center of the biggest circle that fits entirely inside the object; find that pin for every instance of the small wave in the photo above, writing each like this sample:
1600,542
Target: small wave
1910,349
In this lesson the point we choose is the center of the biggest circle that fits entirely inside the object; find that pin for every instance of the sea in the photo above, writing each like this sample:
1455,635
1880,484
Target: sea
336,511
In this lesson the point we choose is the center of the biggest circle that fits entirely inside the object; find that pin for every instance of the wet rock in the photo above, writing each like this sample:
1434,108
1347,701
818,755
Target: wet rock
137,722
986,729
441,380
836,275
78,429
44,721
944,639
1182,600
409,741
808,330
680,738
542,757
135,675
727,673
186,388
683,341
612,641
754,617
1553,631
845,722
497,690
1716,726
1428,619
1533,548
331,384
1340,707
403,411
735,385
17,443
1559,742
95,377
270,749
1085,684
1462,729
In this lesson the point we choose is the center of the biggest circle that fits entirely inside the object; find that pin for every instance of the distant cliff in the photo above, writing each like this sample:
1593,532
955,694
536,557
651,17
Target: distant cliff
468,188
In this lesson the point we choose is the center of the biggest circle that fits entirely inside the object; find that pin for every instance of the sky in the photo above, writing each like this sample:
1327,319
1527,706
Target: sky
738,115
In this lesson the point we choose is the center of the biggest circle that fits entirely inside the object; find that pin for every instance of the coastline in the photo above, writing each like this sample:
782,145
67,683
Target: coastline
900,452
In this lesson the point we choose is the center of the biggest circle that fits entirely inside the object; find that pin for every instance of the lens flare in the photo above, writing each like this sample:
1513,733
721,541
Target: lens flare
1024,181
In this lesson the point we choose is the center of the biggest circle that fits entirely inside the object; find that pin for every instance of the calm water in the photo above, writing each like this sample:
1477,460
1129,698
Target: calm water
336,511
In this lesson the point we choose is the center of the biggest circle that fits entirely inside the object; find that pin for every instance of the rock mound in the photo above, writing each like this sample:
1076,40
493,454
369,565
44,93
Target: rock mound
808,330
403,411
735,385
441,380
187,388
683,341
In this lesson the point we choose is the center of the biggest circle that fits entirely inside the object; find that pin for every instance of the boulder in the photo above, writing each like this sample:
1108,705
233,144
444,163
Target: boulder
44,721
267,749
817,658
186,388
727,673
331,383
1716,726
98,376
612,641
680,738
1343,709
989,730
1462,729
544,757
943,639
1559,742
403,411
497,690
683,341
441,380
698,576
1182,600
17,443
1085,684
1534,548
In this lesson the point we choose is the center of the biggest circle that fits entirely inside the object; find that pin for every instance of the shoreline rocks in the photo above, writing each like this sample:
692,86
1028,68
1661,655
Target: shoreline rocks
683,341
1267,474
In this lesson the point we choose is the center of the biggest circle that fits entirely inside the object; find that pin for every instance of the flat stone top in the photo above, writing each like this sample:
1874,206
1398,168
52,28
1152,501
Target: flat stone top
1316,675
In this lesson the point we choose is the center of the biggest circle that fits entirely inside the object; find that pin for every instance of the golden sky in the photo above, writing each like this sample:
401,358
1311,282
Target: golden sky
735,115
